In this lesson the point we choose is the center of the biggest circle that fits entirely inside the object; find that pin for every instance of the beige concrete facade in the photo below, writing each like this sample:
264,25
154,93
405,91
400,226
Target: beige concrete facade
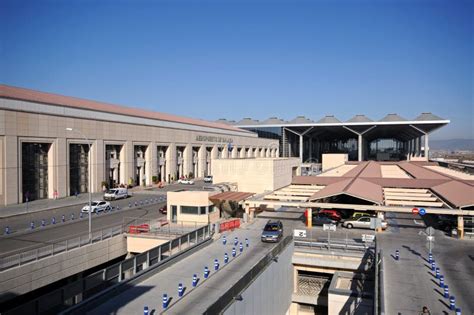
121,147
206,212
256,175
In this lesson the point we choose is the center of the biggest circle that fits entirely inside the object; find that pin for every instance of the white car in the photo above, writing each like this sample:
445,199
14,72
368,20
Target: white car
208,179
116,193
97,206
186,181
362,222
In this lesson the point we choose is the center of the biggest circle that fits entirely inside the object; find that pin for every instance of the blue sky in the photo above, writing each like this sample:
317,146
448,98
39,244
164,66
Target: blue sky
235,59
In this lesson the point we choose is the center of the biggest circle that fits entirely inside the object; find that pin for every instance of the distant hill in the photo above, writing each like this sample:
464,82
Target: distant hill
452,144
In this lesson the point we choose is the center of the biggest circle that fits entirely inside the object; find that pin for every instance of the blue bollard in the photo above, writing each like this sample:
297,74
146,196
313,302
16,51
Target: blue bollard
81,215
206,272
458,311
226,258
7,230
433,265
446,291
246,242
43,223
236,241
165,300
224,240
233,252
32,225
441,281
72,216
195,280
437,273
430,258
397,255
180,290
129,204
53,220
145,310
452,303
63,218
216,264
241,247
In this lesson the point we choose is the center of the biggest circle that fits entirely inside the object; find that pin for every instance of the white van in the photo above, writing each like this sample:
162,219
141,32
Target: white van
116,193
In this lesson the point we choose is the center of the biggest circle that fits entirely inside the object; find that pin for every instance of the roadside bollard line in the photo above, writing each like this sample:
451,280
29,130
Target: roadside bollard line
196,283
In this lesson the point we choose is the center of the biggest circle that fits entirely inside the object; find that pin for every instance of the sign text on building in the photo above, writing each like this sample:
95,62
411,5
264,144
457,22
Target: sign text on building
214,139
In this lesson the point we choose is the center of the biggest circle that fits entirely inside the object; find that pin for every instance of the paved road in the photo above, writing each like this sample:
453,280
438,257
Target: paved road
410,283
73,205
22,238
41,237
150,291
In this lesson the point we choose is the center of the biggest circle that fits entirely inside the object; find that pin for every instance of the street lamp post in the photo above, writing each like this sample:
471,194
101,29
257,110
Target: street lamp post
90,179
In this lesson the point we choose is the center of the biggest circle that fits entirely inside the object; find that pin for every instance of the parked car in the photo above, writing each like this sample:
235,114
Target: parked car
361,222
333,214
320,220
97,206
357,215
273,231
208,179
186,181
163,210
116,193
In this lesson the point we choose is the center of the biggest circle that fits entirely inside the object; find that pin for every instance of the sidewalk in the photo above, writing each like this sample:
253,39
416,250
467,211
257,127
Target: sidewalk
49,204
46,204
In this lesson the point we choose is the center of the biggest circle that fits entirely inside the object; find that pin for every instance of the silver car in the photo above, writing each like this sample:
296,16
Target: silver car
362,222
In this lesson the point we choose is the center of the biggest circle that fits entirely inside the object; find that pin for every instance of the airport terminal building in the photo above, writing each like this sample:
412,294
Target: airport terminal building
45,141
392,138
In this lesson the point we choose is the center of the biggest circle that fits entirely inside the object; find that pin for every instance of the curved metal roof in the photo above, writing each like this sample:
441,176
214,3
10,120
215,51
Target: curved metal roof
329,119
393,117
300,120
427,116
360,118
273,120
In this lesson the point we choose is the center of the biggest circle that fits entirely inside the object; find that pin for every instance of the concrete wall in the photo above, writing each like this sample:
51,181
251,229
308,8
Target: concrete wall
270,293
142,243
255,175
35,275
333,160
195,199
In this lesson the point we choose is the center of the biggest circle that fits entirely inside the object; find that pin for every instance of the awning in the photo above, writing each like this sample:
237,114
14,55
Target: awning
230,196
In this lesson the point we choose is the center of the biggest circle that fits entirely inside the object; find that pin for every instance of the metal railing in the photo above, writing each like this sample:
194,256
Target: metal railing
77,296
33,255
55,248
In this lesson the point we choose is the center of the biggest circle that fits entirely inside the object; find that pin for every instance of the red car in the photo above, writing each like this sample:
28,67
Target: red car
163,210
333,214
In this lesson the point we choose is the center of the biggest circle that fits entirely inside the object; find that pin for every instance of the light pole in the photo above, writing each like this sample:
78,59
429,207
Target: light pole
90,179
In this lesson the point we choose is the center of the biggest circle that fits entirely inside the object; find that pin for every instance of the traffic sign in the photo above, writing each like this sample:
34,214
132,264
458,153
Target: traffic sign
415,211
299,233
422,211
430,230
329,227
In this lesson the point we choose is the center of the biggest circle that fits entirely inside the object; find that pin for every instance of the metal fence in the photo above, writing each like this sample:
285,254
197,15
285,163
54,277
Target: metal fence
80,294
228,297
159,227
57,248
